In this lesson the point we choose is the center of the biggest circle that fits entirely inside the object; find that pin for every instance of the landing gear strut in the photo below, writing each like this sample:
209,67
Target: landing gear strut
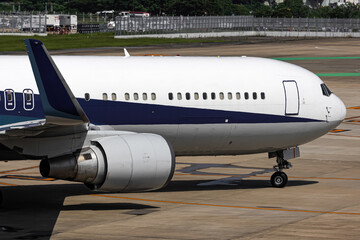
279,179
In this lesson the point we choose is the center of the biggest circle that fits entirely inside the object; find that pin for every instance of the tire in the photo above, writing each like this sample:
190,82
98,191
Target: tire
279,179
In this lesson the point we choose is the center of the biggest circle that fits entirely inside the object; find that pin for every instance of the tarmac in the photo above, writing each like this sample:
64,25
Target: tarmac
223,197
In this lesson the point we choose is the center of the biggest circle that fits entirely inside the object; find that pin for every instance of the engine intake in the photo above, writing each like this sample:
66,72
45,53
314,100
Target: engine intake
122,163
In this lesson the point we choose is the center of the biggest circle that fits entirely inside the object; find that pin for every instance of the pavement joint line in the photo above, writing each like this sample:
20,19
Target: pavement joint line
342,135
351,117
351,123
290,177
226,206
313,58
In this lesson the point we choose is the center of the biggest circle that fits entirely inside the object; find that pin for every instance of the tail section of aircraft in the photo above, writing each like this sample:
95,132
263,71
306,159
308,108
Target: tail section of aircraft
59,103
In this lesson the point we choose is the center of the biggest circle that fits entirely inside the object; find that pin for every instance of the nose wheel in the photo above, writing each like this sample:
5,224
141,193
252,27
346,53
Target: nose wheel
279,179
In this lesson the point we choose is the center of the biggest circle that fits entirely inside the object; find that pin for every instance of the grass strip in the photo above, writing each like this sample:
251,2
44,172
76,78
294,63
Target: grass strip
338,74
57,42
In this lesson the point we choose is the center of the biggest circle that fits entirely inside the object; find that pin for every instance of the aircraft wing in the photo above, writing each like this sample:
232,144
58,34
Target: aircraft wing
61,109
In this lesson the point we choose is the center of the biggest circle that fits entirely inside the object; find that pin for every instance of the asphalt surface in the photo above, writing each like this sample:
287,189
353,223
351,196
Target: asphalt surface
226,197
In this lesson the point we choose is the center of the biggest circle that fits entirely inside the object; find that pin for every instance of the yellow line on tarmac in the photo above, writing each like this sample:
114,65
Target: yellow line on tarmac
16,170
31,178
226,206
8,184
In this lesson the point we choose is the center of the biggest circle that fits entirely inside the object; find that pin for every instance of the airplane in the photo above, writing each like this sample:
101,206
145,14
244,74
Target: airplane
117,123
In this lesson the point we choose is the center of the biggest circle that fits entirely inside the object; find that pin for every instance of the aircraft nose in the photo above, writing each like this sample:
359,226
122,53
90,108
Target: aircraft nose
341,113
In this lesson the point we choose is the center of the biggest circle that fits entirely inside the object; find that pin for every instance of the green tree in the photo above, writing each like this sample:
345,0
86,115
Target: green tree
261,10
239,9
185,7
281,10
320,12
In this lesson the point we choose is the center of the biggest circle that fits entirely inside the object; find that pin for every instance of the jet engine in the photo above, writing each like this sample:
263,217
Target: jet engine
122,163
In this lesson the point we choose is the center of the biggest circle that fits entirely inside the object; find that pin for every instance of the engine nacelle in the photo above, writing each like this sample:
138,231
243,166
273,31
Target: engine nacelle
122,163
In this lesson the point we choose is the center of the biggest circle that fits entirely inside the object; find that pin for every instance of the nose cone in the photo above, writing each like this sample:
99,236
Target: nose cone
341,113
337,112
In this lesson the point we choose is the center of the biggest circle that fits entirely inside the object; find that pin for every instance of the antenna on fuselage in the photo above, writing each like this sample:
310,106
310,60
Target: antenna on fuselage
126,53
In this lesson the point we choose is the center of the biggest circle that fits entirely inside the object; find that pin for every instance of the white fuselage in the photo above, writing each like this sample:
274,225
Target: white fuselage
227,105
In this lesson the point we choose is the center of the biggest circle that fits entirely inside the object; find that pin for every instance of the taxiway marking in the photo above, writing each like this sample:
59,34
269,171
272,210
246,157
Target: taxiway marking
226,206
19,169
8,184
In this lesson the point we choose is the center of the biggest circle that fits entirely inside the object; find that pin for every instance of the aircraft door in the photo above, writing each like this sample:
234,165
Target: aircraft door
291,97
28,99
9,99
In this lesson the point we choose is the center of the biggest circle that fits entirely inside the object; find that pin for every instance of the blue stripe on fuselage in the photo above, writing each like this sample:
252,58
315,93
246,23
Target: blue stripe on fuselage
19,114
126,113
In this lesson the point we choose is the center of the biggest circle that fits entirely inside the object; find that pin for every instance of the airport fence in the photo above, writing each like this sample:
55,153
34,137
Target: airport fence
86,18
208,24
22,23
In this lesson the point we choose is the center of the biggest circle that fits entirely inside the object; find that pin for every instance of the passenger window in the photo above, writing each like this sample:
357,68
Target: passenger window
262,95
204,95
196,96
87,96
144,96
28,97
229,95
9,96
254,95
127,96
105,96
246,95
221,95
10,103
187,95
136,96
153,96
179,97
238,96
113,96
171,97
213,96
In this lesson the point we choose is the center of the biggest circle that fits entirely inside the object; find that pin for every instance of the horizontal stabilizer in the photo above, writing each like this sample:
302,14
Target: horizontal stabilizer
59,103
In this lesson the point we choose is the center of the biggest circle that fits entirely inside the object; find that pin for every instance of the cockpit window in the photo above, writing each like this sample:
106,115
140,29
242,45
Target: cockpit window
325,90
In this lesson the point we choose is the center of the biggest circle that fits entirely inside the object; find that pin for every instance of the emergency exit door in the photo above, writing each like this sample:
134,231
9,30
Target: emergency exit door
291,97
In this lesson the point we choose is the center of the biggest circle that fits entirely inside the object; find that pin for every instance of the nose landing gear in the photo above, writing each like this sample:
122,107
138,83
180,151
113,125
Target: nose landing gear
279,179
